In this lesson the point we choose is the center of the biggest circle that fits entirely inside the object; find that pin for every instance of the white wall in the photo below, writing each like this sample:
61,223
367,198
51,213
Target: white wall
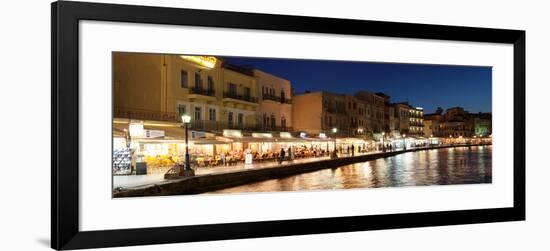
24,102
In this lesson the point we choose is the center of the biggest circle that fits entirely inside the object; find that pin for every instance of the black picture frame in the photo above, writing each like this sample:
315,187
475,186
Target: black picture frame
65,233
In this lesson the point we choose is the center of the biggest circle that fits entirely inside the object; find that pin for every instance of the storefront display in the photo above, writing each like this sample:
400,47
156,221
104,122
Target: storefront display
121,161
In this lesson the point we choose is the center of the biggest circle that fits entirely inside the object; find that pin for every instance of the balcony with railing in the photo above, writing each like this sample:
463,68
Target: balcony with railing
236,96
202,125
218,126
202,91
267,96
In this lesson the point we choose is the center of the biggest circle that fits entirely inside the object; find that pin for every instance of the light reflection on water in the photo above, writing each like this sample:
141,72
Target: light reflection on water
461,165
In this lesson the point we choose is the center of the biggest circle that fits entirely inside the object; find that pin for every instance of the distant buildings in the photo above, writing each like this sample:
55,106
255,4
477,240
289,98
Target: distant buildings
365,114
483,126
456,122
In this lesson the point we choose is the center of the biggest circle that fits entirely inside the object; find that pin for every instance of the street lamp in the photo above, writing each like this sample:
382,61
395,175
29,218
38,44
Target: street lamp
334,130
186,171
404,143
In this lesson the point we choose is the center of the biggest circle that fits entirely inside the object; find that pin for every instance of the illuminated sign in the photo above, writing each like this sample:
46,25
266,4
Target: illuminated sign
285,135
136,129
232,133
154,133
198,134
322,136
262,135
206,61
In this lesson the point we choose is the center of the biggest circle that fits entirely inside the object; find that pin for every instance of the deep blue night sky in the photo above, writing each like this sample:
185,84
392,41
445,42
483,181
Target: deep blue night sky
427,86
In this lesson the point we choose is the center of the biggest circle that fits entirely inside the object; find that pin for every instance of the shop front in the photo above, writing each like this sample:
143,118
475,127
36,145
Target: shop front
359,145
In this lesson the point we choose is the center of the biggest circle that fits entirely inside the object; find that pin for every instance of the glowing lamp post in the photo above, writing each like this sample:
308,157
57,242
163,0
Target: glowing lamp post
186,171
404,143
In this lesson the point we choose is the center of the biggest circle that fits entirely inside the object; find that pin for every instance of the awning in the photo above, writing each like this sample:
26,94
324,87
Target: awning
170,131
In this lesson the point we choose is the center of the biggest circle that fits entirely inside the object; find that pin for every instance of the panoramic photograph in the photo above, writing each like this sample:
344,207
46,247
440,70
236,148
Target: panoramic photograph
185,124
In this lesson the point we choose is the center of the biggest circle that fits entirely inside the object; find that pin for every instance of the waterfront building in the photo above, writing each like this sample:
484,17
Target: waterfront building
403,117
433,123
357,112
430,128
275,102
391,120
482,124
162,87
375,110
416,121
320,112
458,123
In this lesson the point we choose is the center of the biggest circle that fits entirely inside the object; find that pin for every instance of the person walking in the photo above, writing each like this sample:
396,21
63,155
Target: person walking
352,150
222,158
281,155
289,153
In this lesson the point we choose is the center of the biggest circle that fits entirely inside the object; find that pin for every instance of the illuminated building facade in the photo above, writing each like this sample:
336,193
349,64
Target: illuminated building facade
320,112
416,121
456,122
162,87
433,123
357,112
375,110
275,102
402,115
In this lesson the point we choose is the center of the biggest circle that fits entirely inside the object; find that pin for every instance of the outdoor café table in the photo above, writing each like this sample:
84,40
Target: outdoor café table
200,161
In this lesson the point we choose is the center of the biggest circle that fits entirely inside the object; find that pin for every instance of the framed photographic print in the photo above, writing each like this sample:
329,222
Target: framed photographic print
177,125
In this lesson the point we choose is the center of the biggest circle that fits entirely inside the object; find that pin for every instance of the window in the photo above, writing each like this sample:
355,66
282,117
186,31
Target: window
232,89
230,119
240,119
198,111
198,80
247,92
184,79
283,122
210,83
181,110
283,95
273,120
212,114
